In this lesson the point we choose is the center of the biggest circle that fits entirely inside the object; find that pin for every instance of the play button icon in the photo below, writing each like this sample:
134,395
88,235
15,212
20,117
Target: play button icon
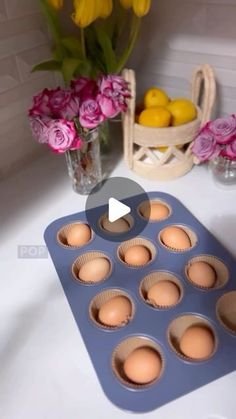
116,210
112,209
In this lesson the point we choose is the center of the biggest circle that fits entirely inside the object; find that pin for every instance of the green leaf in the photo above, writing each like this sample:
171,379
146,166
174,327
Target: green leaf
73,46
57,55
50,65
69,67
108,52
94,52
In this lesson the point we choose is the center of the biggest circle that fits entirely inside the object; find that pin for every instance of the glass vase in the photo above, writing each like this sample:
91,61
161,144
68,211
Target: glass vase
84,164
224,171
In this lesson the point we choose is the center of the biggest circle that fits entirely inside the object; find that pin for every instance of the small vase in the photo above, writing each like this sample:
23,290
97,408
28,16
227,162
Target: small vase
224,171
84,164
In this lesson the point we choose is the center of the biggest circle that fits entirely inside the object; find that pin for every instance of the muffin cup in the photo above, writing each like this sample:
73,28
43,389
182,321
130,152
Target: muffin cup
86,257
127,218
124,349
62,234
226,311
153,279
179,326
101,299
191,234
221,271
134,242
144,204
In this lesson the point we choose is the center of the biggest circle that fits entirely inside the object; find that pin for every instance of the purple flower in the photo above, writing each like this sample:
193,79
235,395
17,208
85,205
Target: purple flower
39,128
62,136
41,104
205,146
230,150
113,94
90,114
223,129
84,88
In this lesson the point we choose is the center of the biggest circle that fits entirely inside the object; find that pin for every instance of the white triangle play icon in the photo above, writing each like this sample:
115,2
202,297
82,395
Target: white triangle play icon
116,210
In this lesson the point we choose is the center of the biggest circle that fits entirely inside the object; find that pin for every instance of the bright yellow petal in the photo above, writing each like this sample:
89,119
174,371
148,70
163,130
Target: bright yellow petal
105,8
56,4
84,13
141,7
126,3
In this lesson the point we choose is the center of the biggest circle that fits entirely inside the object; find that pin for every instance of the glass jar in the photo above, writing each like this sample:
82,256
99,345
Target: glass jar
224,171
84,164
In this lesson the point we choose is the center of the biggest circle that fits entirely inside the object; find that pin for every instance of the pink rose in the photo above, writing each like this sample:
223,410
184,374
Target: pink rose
39,129
224,129
62,135
205,147
108,85
113,94
84,88
58,101
230,151
90,114
41,104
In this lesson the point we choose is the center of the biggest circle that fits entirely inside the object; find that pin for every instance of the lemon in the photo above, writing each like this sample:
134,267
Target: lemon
155,97
158,117
182,111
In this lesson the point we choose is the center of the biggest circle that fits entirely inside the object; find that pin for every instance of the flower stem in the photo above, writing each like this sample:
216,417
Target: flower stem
135,27
82,39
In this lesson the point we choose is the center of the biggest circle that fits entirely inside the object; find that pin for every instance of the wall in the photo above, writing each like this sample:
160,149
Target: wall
179,34
23,43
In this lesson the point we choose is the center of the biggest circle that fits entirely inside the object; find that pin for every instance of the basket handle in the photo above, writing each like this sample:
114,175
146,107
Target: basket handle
128,118
204,78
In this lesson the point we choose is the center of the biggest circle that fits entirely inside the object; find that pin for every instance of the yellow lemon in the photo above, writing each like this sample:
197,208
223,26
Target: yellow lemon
157,117
182,111
155,97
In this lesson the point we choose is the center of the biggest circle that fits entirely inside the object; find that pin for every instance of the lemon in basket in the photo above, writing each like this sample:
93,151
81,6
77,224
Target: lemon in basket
158,117
182,111
155,97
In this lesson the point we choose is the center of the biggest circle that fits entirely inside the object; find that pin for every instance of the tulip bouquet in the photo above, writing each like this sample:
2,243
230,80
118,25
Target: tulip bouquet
104,35
216,138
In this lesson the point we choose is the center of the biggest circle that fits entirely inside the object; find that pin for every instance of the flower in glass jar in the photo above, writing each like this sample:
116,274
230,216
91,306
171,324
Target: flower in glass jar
230,151
84,88
87,11
39,129
140,7
56,4
62,135
113,92
90,114
223,129
41,104
205,146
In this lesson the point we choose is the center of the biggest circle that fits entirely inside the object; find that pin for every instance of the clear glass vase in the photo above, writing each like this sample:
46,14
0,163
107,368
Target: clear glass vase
224,171
84,164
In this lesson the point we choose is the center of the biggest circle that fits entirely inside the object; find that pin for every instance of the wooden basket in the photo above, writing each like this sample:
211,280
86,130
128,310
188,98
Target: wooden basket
140,142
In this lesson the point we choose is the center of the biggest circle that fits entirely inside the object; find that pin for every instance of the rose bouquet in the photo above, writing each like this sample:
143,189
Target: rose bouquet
216,138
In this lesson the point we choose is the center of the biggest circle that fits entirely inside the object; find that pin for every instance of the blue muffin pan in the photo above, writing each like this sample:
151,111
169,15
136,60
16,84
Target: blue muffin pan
180,376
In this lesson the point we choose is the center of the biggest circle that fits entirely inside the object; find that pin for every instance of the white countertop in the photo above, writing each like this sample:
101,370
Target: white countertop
45,371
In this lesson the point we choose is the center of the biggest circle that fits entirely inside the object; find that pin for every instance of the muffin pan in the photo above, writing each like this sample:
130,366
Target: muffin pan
148,325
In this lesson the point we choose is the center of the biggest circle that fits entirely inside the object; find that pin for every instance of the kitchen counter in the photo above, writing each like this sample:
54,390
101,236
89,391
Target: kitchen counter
46,372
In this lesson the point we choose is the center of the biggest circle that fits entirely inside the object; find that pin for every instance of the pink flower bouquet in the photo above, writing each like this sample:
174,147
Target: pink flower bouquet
59,117
216,138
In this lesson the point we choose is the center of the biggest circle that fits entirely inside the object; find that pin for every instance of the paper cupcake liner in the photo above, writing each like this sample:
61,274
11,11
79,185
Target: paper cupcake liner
124,349
226,311
86,257
154,278
221,270
141,208
62,234
101,299
134,242
191,234
178,327
127,218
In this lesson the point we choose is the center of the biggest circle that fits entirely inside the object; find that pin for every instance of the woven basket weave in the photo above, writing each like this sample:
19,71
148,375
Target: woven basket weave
140,142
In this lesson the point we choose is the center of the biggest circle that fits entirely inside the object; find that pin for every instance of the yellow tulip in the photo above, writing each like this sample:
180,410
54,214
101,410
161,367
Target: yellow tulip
105,8
85,12
126,3
56,4
141,7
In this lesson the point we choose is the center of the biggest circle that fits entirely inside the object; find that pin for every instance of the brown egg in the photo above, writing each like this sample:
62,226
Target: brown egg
197,342
78,235
175,238
202,274
94,270
143,365
137,255
115,312
164,294
118,226
156,211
